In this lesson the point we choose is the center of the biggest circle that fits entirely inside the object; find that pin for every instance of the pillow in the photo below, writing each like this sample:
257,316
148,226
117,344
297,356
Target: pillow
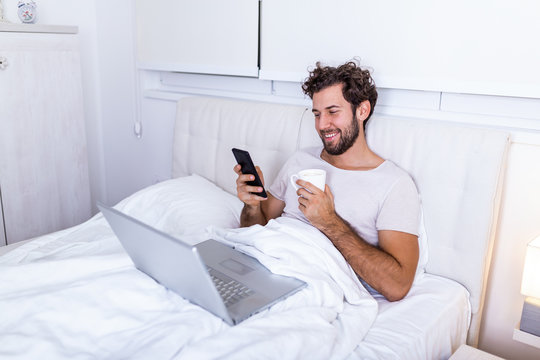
184,207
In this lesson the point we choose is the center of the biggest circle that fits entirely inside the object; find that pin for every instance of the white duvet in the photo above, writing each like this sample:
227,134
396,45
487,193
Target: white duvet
76,294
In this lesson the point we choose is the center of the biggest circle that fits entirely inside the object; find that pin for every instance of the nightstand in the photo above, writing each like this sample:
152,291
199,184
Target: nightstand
466,352
526,338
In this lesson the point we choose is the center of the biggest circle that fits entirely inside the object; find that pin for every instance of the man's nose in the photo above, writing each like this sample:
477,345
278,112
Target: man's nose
324,121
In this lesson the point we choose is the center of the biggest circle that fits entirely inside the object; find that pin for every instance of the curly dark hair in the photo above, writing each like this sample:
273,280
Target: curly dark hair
358,85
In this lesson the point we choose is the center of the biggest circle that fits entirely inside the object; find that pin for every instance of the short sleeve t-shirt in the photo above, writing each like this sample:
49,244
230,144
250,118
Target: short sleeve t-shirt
384,198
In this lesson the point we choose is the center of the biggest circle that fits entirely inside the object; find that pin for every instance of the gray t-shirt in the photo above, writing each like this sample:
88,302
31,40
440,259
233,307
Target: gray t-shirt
384,198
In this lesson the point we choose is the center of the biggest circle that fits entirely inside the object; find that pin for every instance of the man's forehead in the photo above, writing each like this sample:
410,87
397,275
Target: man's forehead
329,97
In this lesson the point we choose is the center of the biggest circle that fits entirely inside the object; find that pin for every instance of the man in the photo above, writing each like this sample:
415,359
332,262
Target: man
369,208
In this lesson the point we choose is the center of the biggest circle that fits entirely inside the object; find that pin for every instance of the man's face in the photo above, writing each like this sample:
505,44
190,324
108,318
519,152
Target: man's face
335,122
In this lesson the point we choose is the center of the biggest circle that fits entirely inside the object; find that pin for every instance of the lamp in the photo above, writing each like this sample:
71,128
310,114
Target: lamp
530,287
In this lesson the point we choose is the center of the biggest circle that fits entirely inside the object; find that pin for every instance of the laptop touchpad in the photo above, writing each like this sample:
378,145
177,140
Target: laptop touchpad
235,266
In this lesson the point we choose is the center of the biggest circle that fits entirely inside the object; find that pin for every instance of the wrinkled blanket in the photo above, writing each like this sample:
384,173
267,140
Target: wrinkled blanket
76,294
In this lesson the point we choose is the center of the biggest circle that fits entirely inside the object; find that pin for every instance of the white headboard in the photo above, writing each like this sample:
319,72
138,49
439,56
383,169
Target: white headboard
208,128
457,170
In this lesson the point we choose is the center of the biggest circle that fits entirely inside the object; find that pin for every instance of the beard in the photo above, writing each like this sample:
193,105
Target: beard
347,138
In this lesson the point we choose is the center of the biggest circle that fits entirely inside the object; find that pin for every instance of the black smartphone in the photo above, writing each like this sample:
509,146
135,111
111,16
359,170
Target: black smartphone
244,159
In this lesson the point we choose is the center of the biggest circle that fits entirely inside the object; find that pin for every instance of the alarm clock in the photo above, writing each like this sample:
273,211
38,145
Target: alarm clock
27,11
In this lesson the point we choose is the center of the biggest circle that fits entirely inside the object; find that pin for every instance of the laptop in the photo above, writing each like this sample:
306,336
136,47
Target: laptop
218,278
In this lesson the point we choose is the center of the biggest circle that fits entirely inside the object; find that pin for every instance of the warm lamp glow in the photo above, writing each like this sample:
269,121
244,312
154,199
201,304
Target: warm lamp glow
530,284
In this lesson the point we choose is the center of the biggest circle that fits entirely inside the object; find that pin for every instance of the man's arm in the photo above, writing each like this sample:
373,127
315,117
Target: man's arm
388,268
257,210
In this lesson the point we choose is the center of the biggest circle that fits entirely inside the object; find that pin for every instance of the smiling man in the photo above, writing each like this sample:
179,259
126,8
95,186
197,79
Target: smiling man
369,208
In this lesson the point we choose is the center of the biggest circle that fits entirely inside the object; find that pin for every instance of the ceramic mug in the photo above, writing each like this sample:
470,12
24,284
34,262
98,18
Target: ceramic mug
315,176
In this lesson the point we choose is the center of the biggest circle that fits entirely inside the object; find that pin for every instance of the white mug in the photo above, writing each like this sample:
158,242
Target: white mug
315,176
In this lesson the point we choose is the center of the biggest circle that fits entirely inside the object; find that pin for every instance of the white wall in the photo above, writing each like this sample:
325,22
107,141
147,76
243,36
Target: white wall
519,224
118,103
121,163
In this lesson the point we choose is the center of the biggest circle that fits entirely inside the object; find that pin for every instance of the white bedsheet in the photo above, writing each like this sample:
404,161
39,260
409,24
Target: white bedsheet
75,294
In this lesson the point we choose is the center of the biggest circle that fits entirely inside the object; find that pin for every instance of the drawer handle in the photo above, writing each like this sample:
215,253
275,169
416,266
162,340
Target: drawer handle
3,63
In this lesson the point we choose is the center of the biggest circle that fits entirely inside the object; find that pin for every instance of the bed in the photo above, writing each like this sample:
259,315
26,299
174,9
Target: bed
76,294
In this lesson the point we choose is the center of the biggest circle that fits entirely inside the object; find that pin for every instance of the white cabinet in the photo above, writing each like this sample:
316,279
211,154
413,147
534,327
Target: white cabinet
203,36
457,46
44,183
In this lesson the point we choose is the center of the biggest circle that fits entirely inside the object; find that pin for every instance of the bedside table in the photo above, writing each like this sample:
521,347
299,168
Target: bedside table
466,352
526,338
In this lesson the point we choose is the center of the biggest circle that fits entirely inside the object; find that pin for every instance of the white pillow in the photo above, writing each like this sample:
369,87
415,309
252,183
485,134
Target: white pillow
184,207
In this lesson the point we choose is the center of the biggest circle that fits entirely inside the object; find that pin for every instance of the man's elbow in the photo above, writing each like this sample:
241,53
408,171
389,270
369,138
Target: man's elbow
398,292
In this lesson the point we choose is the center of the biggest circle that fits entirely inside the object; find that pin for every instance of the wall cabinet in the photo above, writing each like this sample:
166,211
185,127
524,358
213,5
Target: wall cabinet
44,184
459,46
203,36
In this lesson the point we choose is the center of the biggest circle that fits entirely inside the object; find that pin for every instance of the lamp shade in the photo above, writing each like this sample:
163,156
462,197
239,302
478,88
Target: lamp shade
530,284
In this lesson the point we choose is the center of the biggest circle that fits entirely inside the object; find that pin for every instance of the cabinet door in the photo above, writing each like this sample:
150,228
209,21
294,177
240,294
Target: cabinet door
43,160
457,46
203,36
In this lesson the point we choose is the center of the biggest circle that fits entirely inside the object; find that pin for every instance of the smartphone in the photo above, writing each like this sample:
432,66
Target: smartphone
244,159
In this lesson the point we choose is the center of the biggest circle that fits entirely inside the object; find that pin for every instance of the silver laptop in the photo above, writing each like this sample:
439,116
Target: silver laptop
220,279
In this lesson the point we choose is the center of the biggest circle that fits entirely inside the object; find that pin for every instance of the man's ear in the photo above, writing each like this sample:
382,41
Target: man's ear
363,110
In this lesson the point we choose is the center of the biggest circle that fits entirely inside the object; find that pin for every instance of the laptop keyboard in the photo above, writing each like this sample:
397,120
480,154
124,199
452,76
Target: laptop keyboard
231,291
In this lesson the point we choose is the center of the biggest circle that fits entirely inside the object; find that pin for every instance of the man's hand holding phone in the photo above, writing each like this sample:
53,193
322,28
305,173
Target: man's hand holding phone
250,181
250,190
249,194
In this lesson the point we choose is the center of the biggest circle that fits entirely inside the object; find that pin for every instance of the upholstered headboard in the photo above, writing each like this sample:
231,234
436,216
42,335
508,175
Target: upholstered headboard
208,128
457,170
